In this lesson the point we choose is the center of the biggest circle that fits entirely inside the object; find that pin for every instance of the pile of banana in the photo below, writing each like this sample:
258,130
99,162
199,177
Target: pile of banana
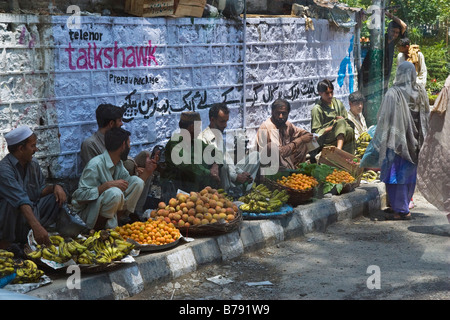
103,246
261,200
26,270
6,263
362,143
370,175
61,250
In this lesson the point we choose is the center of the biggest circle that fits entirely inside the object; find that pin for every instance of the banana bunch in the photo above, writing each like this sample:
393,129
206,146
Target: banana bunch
370,176
6,262
225,194
262,200
27,272
362,143
61,250
104,246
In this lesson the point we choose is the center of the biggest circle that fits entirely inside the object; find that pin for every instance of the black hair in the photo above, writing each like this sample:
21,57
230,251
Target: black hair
106,113
115,137
281,103
324,85
394,25
13,148
214,110
356,97
403,42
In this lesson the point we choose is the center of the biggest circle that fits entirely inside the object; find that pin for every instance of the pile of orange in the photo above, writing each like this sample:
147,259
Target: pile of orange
298,181
340,176
156,232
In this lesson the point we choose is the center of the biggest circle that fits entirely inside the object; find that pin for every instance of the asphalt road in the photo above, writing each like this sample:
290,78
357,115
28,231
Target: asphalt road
361,259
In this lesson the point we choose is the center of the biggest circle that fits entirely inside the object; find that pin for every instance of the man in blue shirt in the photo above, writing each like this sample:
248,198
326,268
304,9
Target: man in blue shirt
26,201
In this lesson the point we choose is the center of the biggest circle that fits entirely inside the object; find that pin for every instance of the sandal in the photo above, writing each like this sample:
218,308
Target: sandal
398,216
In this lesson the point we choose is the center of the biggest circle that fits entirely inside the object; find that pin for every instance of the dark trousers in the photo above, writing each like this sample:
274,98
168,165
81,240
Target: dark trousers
13,225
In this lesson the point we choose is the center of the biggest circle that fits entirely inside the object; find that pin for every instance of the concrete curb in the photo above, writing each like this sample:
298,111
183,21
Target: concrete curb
131,279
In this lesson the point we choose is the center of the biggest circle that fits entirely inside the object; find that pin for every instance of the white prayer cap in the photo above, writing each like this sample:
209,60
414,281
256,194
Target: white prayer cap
17,135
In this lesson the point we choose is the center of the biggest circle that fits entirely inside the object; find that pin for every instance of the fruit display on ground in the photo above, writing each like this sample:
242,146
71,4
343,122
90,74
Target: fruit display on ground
298,181
197,208
26,270
362,143
103,246
261,200
340,176
152,232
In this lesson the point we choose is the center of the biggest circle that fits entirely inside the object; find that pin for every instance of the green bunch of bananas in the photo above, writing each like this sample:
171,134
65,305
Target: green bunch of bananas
104,246
6,262
362,143
370,175
27,272
261,200
225,194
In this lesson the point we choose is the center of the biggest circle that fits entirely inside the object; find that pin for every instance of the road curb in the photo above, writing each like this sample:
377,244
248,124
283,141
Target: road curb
133,278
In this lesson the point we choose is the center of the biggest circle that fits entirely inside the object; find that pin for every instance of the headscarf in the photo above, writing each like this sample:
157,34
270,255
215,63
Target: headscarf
395,125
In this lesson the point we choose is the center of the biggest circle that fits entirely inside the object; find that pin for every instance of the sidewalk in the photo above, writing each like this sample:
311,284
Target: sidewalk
131,279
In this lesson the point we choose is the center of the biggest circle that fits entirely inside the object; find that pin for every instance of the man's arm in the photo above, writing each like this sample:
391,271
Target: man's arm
39,232
399,21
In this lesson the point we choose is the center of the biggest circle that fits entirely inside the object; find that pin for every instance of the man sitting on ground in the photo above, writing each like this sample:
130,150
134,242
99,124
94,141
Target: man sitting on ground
291,141
106,192
230,174
26,201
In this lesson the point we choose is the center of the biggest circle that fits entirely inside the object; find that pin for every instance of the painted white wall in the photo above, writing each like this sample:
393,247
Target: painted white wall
53,81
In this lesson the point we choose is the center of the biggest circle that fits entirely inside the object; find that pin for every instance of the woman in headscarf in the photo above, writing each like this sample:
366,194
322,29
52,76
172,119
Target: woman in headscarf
434,157
401,128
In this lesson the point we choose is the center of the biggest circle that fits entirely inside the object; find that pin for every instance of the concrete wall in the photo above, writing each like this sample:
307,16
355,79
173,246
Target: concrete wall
52,79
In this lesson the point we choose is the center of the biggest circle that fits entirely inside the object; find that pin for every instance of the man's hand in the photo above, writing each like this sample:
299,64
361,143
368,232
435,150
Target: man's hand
214,171
244,177
60,194
339,117
41,235
151,164
121,184
307,137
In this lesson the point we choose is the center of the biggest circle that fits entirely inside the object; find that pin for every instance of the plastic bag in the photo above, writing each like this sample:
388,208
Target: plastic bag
68,223
371,156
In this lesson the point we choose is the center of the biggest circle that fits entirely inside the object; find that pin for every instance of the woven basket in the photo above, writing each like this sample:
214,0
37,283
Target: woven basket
212,229
348,187
296,197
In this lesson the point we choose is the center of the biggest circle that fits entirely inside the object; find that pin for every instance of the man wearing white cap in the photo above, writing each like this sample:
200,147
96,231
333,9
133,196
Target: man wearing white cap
26,201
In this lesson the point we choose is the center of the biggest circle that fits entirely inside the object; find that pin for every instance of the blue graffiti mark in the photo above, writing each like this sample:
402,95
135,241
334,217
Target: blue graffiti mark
346,66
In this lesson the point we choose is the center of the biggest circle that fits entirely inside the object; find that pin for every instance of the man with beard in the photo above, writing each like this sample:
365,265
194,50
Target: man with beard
186,165
291,141
244,172
106,192
26,201
109,116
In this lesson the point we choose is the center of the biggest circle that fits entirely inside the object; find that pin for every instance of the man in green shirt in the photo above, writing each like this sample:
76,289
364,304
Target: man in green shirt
329,120
191,164
106,191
